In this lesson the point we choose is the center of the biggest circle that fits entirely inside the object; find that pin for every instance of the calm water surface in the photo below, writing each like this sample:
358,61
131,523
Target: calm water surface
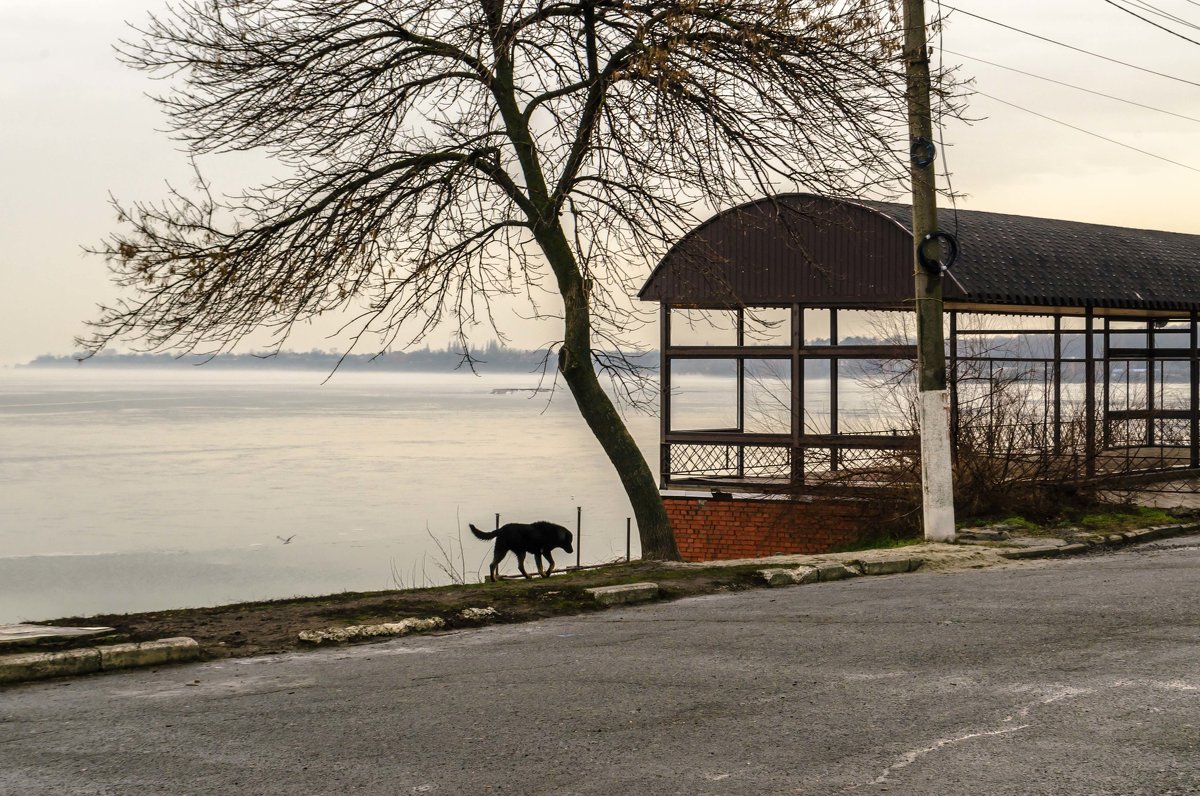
131,490
136,490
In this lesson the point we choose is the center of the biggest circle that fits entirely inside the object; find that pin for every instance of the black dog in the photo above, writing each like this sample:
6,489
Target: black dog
520,538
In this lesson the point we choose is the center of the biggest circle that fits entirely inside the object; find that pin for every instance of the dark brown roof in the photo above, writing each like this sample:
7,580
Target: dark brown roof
807,249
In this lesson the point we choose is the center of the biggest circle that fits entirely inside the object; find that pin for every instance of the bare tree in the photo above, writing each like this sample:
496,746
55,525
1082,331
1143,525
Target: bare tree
444,154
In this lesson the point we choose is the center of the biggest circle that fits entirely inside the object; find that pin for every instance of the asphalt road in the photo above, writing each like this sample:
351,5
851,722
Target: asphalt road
1069,677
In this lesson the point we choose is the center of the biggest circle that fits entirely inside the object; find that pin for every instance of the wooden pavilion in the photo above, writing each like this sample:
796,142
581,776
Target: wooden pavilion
1098,324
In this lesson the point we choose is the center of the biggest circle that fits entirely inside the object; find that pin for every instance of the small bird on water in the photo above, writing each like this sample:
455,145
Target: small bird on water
287,540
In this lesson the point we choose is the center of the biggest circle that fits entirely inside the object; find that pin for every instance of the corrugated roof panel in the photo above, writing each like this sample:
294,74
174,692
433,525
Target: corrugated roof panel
808,249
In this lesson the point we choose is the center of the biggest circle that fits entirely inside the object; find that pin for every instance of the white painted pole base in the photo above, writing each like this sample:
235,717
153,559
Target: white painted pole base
937,487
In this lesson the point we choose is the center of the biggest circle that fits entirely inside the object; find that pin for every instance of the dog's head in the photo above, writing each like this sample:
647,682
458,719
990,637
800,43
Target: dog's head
564,539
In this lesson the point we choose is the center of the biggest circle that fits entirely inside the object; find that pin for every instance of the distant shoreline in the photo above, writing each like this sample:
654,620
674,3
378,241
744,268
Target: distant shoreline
495,360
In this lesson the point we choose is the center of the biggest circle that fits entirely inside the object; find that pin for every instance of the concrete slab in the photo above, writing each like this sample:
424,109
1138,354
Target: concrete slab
12,635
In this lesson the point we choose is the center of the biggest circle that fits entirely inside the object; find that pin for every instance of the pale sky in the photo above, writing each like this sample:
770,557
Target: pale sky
75,124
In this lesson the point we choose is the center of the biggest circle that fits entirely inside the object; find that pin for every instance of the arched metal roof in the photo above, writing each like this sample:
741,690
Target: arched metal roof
799,248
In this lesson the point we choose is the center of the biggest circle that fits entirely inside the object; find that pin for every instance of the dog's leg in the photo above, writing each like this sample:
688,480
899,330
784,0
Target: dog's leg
497,557
551,560
521,565
537,556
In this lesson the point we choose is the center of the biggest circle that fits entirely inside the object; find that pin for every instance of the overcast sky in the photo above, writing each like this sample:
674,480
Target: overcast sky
75,125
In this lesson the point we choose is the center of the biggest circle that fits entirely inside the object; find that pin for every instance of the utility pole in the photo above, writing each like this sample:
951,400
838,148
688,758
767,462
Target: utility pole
937,489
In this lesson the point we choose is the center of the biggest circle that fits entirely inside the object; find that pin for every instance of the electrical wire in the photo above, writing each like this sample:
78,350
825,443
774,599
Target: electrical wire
1071,85
1088,132
1150,21
1142,4
941,127
1076,49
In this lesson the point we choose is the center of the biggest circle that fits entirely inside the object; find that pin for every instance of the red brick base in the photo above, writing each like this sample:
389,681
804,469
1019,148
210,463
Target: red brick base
707,529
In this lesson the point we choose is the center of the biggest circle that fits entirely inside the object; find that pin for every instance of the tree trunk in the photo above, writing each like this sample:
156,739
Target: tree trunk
575,363
575,357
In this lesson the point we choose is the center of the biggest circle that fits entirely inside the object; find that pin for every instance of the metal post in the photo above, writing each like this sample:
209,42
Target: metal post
740,316
664,394
1151,359
1194,356
1057,384
1106,394
1089,355
578,535
952,376
937,487
833,390
797,394
628,535
497,520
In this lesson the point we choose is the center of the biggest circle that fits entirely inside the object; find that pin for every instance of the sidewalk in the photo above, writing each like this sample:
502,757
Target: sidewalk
153,639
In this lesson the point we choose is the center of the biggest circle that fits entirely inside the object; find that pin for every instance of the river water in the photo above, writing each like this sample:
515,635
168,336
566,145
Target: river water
125,490
142,489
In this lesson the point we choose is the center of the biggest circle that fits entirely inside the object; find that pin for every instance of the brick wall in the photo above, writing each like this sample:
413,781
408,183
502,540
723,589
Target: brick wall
709,530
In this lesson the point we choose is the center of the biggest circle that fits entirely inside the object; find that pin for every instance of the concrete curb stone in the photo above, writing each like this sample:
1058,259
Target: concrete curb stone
1043,551
148,653
89,660
625,593
789,577
827,572
1079,543
40,665
892,566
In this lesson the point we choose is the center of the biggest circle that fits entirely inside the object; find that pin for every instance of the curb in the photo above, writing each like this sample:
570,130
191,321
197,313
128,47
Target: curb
823,573
1082,543
90,660
624,593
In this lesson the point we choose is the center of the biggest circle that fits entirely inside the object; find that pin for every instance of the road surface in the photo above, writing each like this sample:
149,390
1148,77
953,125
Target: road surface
1079,676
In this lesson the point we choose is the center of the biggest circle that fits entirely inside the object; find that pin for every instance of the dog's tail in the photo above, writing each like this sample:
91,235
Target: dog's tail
483,534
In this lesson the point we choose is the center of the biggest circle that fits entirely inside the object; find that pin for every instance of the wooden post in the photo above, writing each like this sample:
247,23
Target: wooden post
937,488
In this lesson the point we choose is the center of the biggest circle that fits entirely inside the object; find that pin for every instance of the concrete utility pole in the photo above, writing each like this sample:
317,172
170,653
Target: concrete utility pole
937,489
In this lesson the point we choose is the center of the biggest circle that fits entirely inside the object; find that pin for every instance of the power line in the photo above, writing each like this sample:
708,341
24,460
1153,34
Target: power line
1133,13
1076,49
1071,85
1088,132
941,128
1142,4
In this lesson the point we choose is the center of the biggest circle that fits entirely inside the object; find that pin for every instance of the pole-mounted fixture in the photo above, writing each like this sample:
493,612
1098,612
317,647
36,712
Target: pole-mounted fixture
930,253
922,152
